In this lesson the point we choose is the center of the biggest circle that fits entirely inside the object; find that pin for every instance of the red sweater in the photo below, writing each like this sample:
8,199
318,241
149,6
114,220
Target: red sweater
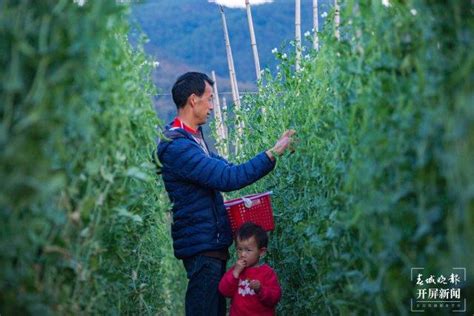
244,300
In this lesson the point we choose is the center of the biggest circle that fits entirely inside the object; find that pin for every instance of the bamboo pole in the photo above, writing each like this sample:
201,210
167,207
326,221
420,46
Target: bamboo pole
217,110
226,145
233,80
337,20
230,62
253,41
315,25
356,13
224,118
298,33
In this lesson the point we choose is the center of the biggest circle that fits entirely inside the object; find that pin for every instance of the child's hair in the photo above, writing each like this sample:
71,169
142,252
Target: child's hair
249,230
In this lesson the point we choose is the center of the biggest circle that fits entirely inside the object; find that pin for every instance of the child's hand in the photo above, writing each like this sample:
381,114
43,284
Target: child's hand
255,285
239,267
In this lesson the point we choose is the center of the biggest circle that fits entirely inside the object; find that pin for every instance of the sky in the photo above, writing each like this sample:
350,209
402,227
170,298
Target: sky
239,3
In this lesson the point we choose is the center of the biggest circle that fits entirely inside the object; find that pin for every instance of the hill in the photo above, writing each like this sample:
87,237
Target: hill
187,35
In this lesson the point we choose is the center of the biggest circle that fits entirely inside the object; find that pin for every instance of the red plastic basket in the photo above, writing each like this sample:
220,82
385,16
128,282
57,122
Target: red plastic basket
255,208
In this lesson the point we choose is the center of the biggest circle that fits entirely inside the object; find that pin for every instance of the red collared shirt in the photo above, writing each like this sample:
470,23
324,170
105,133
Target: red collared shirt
195,133
177,123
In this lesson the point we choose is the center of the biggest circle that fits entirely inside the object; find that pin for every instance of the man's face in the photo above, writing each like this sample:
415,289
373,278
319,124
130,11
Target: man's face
203,105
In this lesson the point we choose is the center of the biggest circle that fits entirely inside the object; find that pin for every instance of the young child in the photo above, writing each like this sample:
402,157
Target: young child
253,288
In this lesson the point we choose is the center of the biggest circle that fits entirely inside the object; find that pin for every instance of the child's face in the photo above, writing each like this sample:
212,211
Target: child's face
248,251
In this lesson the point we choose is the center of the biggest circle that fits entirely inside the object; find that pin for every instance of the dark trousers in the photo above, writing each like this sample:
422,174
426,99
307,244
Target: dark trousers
202,296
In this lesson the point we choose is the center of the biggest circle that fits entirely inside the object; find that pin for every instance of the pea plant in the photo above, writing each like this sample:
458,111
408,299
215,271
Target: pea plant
380,181
84,224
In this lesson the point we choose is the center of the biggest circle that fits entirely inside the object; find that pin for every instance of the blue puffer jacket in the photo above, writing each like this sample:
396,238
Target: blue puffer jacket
193,181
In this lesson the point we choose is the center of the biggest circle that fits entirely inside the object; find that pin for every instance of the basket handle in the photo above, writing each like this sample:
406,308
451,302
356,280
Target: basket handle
248,197
247,202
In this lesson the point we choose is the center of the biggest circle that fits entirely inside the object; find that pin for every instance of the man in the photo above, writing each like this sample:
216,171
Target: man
194,177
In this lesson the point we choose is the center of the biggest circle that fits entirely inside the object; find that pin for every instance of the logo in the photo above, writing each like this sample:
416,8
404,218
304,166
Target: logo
438,292
244,288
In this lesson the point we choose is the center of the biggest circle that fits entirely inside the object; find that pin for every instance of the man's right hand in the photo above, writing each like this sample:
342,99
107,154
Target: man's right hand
239,267
282,144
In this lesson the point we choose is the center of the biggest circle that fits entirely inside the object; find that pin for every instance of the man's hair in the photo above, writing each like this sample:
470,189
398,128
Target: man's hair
187,84
249,230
